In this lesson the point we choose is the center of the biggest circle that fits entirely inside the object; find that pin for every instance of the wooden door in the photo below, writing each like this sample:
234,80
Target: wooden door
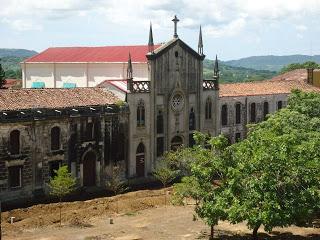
89,169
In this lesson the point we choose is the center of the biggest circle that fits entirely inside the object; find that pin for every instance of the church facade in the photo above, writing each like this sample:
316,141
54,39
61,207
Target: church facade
93,107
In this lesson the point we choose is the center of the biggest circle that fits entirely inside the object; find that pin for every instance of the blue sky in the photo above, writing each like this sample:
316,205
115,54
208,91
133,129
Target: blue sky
231,28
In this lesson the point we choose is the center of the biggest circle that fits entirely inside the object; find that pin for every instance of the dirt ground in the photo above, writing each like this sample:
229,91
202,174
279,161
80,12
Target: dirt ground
137,215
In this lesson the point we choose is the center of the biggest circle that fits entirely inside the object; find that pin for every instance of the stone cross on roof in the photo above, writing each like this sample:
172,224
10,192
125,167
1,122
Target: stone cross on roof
175,20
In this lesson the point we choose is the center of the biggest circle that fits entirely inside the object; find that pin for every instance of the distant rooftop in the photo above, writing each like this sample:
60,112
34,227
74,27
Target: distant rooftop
281,84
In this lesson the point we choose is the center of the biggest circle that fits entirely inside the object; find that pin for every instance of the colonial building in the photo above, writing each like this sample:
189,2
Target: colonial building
150,99
41,129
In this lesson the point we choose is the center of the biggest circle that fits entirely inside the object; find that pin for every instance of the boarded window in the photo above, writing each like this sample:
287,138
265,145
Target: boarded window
279,105
238,113
253,112
176,142
265,109
224,115
208,108
238,137
192,142
160,146
55,138
160,122
15,176
14,142
192,120
140,114
53,167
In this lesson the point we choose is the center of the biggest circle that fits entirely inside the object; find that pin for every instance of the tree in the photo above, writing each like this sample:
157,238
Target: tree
115,182
164,174
275,180
211,163
62,184
2,76
294,66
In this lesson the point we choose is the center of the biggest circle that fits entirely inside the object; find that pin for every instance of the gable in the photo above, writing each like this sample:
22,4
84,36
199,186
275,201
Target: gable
167,46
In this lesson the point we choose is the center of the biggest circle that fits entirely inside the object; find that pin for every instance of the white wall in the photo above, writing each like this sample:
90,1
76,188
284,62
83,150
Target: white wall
82,74
39,73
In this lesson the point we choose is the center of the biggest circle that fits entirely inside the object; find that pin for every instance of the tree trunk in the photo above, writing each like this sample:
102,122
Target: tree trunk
60,206
211,232
255,233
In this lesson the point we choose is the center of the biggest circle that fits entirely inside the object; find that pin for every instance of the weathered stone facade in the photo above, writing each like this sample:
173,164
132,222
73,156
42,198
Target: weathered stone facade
34,143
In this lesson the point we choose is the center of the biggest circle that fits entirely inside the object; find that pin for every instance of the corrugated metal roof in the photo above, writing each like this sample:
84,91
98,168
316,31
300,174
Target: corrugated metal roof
92,54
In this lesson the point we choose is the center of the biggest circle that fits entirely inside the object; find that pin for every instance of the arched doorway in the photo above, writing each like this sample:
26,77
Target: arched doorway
176,142
140,160
89,169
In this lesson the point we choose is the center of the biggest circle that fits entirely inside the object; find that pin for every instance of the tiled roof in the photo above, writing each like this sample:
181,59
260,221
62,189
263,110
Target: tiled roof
54,98
121,84
282,84
10,83
92,54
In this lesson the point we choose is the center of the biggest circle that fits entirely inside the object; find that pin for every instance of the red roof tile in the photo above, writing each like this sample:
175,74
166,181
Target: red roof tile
92,54
54,98
282,84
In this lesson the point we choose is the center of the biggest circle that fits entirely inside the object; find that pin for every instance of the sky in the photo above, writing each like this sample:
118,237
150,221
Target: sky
232,29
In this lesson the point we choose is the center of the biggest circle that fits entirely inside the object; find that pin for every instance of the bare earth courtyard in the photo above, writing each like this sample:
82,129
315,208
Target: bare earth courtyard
141,215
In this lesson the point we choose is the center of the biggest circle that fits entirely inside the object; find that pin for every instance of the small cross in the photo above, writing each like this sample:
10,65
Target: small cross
175,20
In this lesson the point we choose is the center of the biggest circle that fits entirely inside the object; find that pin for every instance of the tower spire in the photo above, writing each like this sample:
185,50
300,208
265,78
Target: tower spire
200,42
129,74
216,69
175,21
151,44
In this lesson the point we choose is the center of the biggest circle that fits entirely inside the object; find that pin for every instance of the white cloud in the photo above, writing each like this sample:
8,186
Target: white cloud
219,18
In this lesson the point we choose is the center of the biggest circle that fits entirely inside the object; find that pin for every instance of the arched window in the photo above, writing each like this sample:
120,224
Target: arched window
140,114
265,109
224,115
208,108
176,142
238,113
90,131
279,105
192,120
160,122
55,138
140,160
253,112
14,142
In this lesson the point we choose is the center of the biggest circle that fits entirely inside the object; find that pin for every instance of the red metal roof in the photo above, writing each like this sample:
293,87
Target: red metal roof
92,54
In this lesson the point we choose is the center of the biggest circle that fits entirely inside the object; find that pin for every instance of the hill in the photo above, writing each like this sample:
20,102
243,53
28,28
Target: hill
8,52
10,59
271,62
231,74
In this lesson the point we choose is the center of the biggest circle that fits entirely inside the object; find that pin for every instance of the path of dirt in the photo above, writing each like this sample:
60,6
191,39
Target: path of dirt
142,216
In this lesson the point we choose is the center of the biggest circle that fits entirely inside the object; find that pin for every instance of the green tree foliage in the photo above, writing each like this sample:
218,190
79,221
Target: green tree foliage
294,66
62,184
2,76
187,188
275,180
229,74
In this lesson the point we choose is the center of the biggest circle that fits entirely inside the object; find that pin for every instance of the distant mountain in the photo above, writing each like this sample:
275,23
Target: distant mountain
229,74
8,52
10,59
271,63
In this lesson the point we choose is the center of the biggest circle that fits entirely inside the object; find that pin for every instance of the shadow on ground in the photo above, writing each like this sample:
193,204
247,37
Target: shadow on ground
262,236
